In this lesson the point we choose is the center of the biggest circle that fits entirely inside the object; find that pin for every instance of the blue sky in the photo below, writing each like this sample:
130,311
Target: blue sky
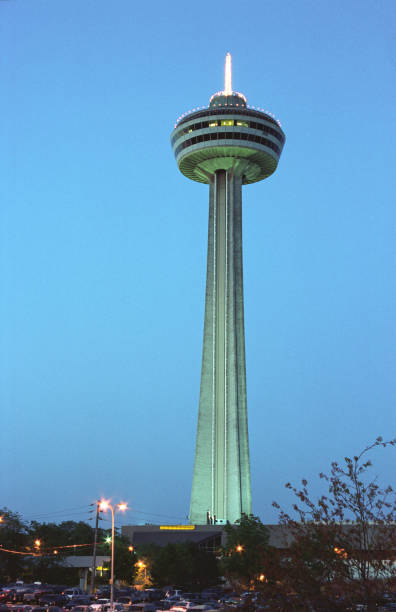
103,246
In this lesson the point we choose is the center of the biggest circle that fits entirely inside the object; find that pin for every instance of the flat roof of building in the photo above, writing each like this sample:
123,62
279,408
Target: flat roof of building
199,534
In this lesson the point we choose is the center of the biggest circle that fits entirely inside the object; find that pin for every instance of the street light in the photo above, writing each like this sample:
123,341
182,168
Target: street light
104,506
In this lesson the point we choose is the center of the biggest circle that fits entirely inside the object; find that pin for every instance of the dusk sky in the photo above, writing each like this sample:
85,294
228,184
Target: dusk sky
103,247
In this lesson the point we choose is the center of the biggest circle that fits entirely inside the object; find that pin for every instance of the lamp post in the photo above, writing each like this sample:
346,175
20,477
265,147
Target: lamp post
104,506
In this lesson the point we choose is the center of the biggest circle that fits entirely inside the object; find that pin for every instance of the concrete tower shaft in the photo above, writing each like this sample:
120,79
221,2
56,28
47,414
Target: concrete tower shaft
226,146
221,482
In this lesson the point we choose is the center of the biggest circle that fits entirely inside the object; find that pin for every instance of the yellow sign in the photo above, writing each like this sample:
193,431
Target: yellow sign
177,527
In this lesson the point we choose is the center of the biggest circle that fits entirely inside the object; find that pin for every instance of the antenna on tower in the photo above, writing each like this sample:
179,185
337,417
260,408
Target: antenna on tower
228,76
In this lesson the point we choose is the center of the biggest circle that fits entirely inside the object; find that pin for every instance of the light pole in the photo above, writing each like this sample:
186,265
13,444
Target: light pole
92,583
104,506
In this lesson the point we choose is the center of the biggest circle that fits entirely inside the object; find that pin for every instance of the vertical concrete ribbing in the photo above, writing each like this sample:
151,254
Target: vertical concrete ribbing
221,481
244,458
221,339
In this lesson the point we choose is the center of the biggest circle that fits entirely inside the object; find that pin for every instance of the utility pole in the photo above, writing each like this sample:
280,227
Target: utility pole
91,586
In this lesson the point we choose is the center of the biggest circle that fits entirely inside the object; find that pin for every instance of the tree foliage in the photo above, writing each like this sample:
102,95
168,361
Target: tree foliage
46,561
124,560
244,553
14,535
346,539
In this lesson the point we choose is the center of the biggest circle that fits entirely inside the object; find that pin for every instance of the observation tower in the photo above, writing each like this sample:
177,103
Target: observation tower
225,145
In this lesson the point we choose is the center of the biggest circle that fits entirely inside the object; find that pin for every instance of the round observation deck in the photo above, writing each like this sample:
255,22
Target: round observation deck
213,139
226,132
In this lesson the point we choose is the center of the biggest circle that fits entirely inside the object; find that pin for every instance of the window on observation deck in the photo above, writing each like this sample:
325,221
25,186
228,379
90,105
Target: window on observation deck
232,135
227,122
242,123
213,123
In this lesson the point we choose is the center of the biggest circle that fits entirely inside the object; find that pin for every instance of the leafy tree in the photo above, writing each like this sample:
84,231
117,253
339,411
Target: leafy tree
124,561
13,536
346,539
244,553
47,545
58,541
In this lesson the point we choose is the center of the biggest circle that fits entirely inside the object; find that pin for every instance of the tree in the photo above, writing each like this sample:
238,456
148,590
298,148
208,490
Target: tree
58,541
346,539
38,550
14,537
124,560
244,553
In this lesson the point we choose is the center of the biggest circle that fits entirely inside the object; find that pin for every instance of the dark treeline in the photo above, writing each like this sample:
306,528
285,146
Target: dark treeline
36,551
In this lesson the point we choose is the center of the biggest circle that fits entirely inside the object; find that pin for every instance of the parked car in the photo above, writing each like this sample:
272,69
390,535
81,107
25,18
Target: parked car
143,607
184,604
212,594
173,593
33,596
98,604
154,594
191,596
53,600
20,595
12,594
81,600
174,599
201,608
127,600
117,607
73,592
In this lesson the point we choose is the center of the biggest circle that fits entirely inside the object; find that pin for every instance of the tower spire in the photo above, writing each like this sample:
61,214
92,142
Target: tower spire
228,76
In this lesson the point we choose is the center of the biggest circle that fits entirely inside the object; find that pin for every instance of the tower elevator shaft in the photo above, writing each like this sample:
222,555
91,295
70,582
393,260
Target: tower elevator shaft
221,480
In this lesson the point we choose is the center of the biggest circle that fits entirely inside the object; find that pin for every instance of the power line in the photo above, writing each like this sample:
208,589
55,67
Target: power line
42,552
86,506
84,516
161,515
17,552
